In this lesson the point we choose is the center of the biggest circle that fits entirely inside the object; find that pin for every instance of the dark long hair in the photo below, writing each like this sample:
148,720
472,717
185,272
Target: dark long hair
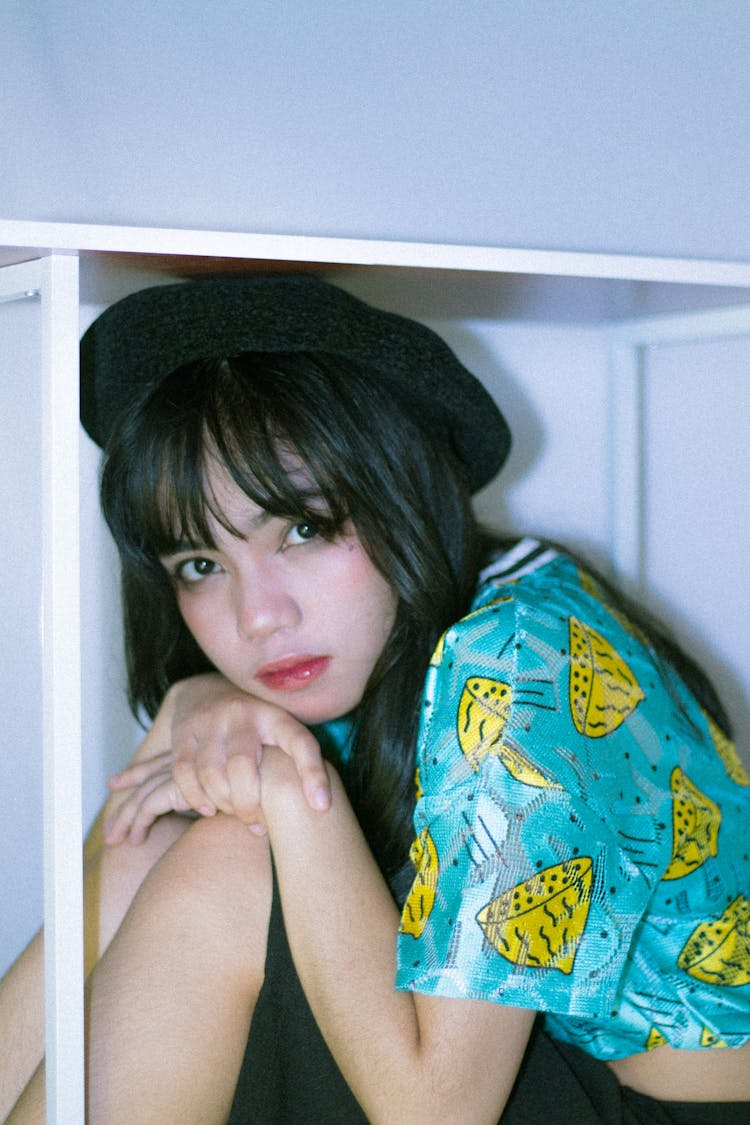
370,463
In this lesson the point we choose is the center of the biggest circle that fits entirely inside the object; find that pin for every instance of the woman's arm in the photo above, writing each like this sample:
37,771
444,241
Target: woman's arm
407,1057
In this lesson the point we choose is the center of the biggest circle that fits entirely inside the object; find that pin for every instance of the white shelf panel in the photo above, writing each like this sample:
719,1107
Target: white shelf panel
29,239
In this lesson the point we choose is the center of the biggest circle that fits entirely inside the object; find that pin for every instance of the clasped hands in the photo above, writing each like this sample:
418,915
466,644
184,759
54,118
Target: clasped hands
204,754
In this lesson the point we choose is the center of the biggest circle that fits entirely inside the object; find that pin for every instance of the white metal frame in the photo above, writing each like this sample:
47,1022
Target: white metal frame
54,281
63,888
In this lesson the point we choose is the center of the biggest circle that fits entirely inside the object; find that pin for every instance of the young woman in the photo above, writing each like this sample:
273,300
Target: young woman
287,477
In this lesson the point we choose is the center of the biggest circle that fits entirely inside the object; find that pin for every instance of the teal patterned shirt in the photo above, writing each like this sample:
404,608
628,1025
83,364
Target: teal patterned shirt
581,825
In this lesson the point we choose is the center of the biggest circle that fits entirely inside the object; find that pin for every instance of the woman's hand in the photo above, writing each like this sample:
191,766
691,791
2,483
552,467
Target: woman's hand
202,754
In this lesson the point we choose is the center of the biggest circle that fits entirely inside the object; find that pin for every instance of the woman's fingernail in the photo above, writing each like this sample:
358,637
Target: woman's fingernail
321,799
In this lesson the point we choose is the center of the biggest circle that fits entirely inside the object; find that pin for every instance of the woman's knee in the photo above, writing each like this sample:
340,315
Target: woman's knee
217,849
128,863
114,874
218,875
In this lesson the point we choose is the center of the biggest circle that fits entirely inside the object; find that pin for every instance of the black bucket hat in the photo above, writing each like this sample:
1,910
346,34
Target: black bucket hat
141,339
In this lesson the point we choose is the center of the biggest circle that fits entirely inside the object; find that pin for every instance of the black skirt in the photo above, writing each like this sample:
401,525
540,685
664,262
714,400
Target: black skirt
289,1076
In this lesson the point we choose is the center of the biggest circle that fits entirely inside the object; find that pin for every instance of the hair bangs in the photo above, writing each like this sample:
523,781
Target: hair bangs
280,467
238,415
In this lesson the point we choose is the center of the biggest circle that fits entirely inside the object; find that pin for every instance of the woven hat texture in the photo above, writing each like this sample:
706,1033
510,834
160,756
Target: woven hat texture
139,340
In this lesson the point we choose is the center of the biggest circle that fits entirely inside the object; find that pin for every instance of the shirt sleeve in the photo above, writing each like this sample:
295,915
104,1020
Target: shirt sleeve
522,893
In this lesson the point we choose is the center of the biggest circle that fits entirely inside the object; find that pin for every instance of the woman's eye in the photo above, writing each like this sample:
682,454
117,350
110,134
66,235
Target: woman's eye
193,570
301,533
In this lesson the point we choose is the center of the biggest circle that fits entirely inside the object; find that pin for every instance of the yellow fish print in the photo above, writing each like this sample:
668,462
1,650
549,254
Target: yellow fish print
539,923
711,1039
718,951
655,1039
437,656
726,750
483,712
602,689
421,898
696,820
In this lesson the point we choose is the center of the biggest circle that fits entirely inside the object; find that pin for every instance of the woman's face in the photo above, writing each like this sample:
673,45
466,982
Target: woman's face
284,614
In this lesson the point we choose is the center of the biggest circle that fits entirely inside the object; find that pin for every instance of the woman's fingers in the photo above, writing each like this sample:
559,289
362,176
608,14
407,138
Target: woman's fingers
163,798
153,797
303,748
244,782
138,772
200,771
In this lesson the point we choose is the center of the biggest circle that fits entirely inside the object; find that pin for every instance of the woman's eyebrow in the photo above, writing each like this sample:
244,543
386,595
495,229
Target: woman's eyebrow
251,524
185,547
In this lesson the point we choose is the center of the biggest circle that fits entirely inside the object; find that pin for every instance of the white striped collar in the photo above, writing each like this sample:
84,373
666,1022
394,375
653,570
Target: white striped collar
525,556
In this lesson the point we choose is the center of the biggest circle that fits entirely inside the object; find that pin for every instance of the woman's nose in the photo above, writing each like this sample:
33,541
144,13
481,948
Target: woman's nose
263,606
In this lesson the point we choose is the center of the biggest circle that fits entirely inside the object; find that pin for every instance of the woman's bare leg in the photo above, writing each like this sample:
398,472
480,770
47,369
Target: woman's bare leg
173,996
21,1022
112,877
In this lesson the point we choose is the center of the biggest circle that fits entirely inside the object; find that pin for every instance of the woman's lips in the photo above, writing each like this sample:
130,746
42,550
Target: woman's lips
293,673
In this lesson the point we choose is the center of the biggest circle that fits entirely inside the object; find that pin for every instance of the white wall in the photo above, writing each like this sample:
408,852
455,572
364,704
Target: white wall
577,124
697,483
20,518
